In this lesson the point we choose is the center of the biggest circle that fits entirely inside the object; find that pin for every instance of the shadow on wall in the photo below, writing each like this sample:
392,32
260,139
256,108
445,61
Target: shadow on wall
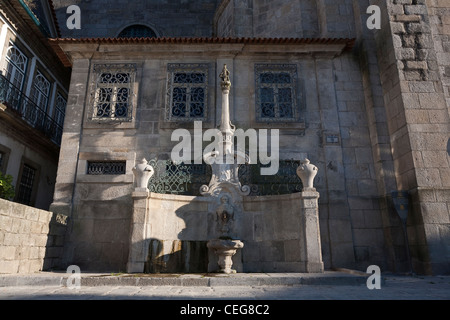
448,147
186,252
55,242
176,256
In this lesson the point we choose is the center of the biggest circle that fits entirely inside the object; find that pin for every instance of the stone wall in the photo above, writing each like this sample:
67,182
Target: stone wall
249,18
439,11
418,123
31,240
170,234
174,18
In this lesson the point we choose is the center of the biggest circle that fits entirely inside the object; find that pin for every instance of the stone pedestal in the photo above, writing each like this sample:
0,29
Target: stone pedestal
310,222
224,250
138,248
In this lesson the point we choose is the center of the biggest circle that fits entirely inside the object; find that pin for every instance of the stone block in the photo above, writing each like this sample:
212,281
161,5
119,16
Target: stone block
421,86
405,54
417,65
436,213
432,101
5,207
7,253
407,18
9,267
340,230
6,223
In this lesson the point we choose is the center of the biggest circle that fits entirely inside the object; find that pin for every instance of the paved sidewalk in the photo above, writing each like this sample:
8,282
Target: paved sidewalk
328,286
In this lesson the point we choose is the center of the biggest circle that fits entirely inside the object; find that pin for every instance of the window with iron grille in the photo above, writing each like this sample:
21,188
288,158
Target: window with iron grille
113,92
106,167
187,92
26,184
276,94
15,67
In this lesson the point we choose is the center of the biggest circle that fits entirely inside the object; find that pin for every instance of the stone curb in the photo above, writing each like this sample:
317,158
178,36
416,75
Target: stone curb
186,280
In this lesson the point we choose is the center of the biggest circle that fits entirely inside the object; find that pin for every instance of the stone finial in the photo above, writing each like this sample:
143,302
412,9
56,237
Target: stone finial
143,172
225,76
307,172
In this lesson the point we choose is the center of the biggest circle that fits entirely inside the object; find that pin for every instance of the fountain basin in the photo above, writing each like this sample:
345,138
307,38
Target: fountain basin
225,249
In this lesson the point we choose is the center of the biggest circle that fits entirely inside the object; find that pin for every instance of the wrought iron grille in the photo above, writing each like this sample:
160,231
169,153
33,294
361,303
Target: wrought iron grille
285,181
276,92
113,92
29,111
182,179
187,92
186,179
106,168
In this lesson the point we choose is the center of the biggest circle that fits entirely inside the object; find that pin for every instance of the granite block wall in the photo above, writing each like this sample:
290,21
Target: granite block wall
31,240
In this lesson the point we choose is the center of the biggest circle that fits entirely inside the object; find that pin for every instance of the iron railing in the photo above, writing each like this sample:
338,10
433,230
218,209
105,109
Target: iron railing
14,99
181,179
186,179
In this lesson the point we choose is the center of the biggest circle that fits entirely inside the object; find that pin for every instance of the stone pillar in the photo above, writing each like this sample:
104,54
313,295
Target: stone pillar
419,126
70,146
311,232
138,247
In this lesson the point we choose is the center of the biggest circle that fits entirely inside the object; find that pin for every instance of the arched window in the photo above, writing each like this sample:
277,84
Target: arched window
40,91
137,31
16,63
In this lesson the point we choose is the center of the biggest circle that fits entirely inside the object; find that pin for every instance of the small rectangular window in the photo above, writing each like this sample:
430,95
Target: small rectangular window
106,167
187,92
276,92
26,185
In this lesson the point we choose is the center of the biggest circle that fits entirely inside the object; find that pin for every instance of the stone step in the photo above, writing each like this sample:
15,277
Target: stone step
207,280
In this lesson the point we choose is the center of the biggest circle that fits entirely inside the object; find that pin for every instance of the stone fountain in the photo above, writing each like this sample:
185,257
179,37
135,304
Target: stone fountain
225,186
187,233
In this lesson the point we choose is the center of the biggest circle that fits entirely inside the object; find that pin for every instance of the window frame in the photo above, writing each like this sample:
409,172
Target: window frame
37,94
291,69
97,70
59,114
172,69
8,62
35,184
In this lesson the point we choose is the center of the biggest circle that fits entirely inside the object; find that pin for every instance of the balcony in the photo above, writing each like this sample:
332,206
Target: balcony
19,105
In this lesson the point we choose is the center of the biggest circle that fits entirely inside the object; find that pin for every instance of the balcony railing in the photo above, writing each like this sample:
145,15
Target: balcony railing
14,99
